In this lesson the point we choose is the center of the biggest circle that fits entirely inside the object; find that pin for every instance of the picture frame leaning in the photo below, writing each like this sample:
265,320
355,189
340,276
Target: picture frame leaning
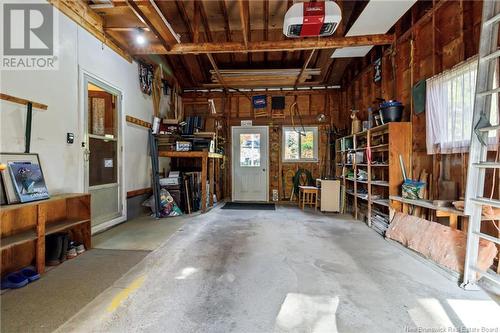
11,195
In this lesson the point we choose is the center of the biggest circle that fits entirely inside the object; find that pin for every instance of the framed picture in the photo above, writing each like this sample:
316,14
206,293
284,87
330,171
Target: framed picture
28,183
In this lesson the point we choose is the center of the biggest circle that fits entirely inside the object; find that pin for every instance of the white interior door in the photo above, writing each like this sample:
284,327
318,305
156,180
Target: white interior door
250,163
103,152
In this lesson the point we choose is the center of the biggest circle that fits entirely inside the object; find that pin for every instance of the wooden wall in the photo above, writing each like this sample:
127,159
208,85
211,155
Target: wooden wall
234,107
432,37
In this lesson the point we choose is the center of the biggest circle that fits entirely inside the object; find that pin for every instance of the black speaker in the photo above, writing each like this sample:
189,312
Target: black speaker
278,102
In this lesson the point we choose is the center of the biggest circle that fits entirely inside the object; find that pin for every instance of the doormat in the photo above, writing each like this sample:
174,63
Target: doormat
249,206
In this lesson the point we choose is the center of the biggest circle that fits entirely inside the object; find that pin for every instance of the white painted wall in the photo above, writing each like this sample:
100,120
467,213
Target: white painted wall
61,90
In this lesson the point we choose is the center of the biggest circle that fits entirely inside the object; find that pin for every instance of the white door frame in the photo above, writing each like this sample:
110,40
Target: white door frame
233,164
86,78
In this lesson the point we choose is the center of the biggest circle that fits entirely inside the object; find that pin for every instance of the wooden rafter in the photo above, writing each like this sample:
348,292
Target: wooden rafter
216,69
227,27
275,46
145,19
306,63
196,22
184,17
284,54
243,6
191,31
266,24
204,21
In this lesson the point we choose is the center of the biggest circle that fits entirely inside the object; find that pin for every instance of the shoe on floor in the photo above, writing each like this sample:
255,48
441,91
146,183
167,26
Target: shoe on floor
53,249
30,274
71,253
80,248
65,247
14,281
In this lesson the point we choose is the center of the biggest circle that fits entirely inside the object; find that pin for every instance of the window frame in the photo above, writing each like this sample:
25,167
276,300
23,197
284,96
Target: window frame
315,131
259,149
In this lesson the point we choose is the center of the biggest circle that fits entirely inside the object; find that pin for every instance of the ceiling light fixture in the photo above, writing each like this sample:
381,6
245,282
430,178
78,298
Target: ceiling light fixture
140,39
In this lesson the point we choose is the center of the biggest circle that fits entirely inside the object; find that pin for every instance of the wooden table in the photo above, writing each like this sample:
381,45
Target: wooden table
208,168
451,213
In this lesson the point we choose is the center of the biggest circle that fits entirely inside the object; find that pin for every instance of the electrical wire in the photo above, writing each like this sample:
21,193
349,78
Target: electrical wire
293,107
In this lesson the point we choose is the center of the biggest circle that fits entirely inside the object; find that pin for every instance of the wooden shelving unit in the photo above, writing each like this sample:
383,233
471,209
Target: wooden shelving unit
370,195
210,169
24,227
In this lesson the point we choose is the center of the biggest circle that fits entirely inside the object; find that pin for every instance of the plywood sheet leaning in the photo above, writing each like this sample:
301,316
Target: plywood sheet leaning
437,242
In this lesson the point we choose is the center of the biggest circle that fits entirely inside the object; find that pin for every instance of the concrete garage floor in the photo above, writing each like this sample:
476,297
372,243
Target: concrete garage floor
64,290
281,271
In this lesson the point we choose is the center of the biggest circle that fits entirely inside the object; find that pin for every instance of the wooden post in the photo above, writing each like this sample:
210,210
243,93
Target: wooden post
204,165
211,179
40,241
218,184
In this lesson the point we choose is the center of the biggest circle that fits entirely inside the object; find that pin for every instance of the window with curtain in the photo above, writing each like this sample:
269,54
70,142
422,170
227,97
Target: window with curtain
449,107
300,147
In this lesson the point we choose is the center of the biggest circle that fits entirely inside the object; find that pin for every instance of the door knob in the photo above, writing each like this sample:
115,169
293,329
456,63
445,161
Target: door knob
86,154
264,170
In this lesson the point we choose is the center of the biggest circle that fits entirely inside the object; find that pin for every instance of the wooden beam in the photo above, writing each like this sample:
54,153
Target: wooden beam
145,19
83,15
185,18
135,193
306,63
196,22
227,27
284,54
244,20
266,24
204,21
216,69
193,32
274,46
152,4
23,101
137,121
125,29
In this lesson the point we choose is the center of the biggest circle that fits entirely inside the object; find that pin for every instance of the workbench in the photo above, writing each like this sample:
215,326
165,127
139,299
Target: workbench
451,213
209,169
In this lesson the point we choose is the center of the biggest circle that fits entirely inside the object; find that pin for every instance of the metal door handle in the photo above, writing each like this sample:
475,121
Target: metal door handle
264,170
86,155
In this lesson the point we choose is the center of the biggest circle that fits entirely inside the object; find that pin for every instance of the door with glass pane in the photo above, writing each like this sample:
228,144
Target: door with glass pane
250,163
102,152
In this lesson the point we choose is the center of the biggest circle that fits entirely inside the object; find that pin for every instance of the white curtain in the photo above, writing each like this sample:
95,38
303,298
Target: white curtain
449,108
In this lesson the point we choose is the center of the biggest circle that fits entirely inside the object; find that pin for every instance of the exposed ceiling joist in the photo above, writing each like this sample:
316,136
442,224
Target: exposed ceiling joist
164,20
145,19
204,21
196,22
243,6
227,27
216,69
272,46
306,63
266,24
184,17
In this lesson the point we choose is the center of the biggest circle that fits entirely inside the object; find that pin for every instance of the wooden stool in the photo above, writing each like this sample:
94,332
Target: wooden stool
308,195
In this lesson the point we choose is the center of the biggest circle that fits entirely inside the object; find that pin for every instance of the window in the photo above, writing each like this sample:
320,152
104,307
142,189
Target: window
300,147
250,150
449,108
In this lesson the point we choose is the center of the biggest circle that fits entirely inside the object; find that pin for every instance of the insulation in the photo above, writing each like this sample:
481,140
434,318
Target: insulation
437,242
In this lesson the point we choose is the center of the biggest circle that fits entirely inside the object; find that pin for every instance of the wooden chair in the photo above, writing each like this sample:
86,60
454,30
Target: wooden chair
308,195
